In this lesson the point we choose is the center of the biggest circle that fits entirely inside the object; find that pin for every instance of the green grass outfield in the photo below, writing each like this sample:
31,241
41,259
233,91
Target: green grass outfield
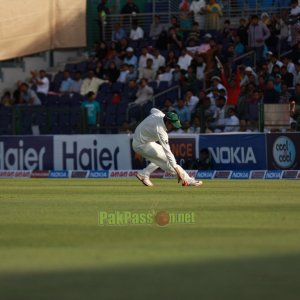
245,243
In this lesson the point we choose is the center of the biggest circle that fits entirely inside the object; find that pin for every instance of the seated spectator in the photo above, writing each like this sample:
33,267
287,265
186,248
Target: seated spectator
112,73
162,41
208,110
121,48
218,122
199,65
132,73
28,96
77,83
232,121
123,73
277,83
287,77
148,72
41,82
91,83
66,84
289,65
216,83
213,95
297,73
130,91
168,106
156,29
165,74
143,58
144,94
239,47
272,61
194,35
158,60
285,95
7,100
191,101
206,45
130,58
184,60
125,128
171,59
118,33
174,39
182,111
136,32
271,96
99,70
190,81
92,108
195,126
248,72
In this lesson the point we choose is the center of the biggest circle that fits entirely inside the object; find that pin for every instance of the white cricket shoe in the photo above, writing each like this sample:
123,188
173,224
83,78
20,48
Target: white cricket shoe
193,182
145,180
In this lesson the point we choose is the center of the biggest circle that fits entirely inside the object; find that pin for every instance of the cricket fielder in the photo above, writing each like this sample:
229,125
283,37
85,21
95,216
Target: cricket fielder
154,129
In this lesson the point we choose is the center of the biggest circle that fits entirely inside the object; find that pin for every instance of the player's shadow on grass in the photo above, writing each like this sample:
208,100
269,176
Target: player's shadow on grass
239,279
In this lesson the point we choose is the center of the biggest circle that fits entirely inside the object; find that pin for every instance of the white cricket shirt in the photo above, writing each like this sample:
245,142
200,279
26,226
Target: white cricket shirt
153,129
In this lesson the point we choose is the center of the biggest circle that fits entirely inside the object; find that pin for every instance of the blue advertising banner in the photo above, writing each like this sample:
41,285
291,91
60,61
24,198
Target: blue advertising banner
235,151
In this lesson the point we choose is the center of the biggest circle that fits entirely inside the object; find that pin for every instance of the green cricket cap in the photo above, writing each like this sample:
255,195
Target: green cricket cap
173,118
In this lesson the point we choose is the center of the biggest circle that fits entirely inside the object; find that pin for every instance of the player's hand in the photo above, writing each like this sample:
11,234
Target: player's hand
180,176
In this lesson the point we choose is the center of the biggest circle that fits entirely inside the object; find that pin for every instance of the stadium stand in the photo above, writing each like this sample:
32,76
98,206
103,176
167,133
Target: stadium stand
213,53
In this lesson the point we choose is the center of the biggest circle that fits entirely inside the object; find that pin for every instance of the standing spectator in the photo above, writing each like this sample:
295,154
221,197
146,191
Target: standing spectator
295,28
77,83
213,13
184,8
271,96
136,32
156,29
232,122
103,11
92,108
130,8
190,81
118,33
41,82
258,33
66,84
91,84
219,117
242,31
233,88
28,96
197,8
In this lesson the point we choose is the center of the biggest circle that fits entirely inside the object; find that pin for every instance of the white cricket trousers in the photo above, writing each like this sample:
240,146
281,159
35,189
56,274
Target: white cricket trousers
158,159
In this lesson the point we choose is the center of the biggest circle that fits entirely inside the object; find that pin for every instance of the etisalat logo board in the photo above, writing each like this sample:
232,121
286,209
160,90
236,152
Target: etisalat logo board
130,218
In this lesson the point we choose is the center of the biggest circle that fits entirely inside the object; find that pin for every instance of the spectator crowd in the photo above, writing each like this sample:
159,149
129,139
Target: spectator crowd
225,72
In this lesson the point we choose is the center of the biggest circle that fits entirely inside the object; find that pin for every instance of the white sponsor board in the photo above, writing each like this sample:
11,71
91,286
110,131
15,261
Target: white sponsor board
92,152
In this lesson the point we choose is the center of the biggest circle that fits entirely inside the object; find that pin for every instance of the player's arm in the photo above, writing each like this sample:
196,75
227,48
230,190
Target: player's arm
164,142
